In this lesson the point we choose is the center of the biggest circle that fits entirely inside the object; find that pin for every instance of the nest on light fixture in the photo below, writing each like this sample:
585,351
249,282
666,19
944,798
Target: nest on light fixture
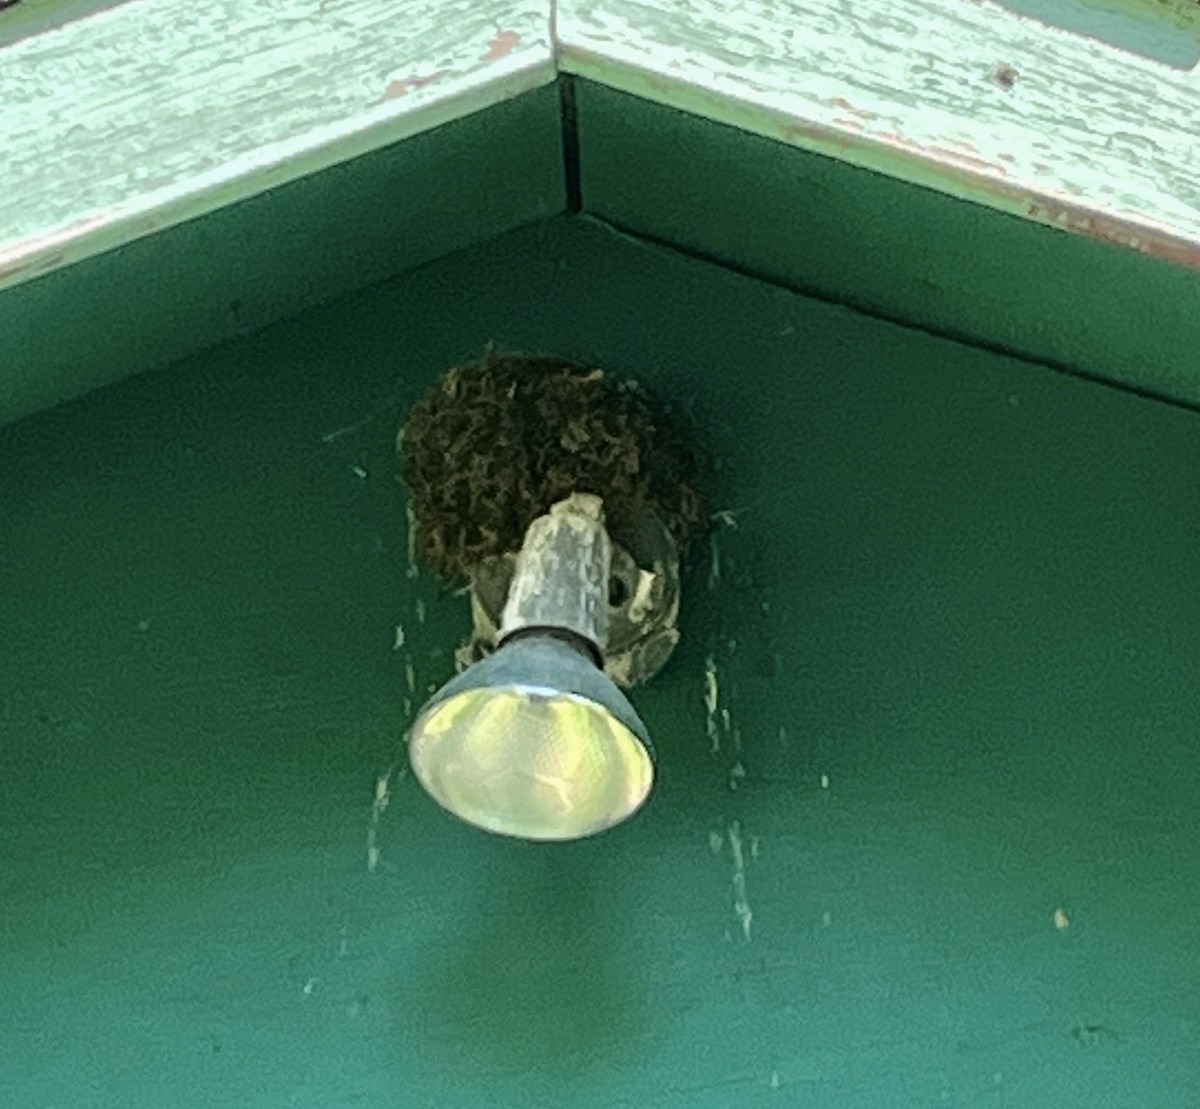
564,500
492,445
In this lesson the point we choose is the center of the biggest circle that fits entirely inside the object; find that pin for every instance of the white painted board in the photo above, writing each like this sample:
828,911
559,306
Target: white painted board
960,95
132,119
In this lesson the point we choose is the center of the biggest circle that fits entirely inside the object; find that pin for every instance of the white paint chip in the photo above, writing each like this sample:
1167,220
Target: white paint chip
412,543
710,685
711,695
741,902
379,804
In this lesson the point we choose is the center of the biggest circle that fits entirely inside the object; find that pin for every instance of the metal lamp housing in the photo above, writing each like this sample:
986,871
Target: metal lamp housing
536,740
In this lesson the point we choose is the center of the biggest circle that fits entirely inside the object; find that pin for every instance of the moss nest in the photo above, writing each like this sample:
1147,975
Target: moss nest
493,445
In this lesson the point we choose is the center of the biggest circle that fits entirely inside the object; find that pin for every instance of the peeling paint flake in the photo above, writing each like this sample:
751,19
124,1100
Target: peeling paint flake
741,903
379,803
503,44
710,703
844,105
411,568
400,86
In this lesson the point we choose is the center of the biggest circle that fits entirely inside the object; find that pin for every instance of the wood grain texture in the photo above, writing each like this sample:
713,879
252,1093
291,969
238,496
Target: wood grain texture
156,111
151,113
1069,132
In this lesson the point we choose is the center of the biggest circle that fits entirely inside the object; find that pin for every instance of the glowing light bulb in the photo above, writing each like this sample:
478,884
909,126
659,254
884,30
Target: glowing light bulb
530,761
535,740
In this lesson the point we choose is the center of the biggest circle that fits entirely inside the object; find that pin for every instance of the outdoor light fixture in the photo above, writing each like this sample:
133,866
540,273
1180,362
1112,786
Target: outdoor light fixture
566,498
536,740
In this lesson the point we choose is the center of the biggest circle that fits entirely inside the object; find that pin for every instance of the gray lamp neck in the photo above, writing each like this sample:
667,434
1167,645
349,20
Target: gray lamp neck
561,578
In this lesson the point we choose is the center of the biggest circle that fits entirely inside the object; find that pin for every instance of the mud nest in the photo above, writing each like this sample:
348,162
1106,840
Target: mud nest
493,445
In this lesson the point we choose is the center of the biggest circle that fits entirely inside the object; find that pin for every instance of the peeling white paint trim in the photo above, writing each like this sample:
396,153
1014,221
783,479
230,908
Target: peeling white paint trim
141,116
151,113
962,96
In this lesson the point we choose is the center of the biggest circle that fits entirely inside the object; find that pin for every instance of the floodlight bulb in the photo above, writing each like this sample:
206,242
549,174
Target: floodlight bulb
530,761
536,740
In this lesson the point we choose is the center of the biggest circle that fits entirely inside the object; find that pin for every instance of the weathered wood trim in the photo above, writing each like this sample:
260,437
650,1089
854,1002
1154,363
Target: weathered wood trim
962,96
121,123
135,118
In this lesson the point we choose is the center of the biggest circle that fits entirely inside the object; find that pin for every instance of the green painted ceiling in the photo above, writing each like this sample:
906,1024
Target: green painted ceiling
956,629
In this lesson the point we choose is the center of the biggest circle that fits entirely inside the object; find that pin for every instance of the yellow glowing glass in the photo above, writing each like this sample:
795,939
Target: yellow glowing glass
530,762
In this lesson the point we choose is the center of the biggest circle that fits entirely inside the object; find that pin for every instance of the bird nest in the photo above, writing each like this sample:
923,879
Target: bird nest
493,445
